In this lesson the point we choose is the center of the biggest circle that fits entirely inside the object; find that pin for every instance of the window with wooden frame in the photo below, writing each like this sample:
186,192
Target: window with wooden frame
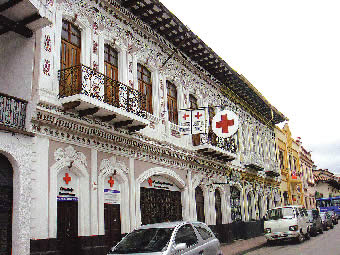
111,62
70,45
145,86
172,102
196,138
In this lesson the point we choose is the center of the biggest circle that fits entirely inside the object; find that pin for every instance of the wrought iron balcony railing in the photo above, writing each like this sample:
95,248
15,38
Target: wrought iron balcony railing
81,79
12,112
212,145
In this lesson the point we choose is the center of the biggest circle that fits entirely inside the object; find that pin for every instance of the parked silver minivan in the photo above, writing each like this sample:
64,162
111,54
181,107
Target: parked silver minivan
183,237
288,222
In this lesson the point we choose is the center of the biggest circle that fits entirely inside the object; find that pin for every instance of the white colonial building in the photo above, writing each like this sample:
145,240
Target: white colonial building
99,149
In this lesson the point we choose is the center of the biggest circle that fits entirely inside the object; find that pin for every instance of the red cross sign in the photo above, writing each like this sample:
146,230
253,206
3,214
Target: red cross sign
150,182
111,181
198,115
225,123
185,116
67,178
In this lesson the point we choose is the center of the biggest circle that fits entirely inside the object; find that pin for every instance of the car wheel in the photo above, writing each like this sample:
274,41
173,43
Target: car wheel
307,235
300,238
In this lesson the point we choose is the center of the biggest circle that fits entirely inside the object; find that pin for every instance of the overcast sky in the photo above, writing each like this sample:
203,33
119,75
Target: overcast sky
289,50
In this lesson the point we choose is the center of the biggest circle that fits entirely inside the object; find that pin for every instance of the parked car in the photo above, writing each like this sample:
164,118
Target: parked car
187,238
288,222
334,217
315,222
326,221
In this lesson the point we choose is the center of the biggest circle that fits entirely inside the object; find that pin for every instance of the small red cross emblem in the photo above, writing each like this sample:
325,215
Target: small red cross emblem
67,178
185,116
111,181
150,182
224,123
198,115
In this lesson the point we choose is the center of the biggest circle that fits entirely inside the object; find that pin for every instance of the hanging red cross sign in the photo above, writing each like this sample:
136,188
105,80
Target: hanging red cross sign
225,123
185,116
198,115
67,178
111,181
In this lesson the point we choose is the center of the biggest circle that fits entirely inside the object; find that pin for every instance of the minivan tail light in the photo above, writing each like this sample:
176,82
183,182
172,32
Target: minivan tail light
293,228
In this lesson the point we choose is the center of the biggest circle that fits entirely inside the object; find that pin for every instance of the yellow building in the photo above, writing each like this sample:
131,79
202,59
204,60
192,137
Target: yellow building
288,154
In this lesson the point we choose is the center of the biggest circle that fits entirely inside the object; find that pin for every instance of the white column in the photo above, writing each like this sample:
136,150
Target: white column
40,181
123,67
155,92
94,193
101,42
134,71
133,220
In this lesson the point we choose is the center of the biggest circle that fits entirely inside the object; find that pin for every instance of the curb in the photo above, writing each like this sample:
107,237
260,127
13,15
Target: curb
251,249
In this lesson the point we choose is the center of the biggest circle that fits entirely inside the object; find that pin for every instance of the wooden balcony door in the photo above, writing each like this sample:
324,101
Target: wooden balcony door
172,102
111,72
196,138
70,57
145,86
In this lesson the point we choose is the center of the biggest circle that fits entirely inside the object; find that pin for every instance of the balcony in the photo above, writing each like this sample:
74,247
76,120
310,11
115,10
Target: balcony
13,114
216,147
92,93
254,161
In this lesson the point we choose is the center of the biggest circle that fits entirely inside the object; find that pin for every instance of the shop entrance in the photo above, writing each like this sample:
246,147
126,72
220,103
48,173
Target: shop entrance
160,205
67,227
112,224
6,204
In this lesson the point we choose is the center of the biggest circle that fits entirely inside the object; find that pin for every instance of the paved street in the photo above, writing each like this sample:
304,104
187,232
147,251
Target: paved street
325,244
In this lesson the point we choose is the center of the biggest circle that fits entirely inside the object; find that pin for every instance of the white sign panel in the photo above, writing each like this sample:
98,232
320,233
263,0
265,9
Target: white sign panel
111,196
192,122
184,121
67,184
225,123
198,121
159,182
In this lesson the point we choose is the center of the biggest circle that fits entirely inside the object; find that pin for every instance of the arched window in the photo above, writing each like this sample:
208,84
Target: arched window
218,207
172,102
70,45
145,86
111,62
199,204
235,203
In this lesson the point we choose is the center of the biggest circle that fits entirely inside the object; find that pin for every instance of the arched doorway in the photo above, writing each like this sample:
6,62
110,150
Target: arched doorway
218,207
235,203
259,202
6,205
199,204
250,206
160,200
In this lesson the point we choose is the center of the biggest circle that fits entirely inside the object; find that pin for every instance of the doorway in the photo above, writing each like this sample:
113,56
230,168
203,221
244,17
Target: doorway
112,224
6,205
67,227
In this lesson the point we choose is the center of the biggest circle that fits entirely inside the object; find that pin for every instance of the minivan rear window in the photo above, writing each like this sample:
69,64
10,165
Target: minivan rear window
280,213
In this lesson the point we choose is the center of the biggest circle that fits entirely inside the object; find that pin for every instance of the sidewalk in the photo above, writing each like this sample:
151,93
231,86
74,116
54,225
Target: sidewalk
239,247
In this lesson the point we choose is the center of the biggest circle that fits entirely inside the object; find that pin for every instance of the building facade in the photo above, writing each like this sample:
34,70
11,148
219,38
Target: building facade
308,182
326,184
288,155
101,151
